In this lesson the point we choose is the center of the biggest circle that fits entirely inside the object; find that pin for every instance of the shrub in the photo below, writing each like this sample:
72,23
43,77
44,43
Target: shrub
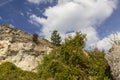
9,71
69,62
35,38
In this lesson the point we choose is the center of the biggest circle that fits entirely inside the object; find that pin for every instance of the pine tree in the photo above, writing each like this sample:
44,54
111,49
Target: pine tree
55,37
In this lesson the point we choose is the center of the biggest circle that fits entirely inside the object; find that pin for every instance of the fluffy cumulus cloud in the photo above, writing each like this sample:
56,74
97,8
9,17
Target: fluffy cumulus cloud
107,42
70,16
39,1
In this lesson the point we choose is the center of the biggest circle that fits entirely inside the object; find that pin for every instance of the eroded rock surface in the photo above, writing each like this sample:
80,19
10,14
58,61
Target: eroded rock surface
113,59
18,47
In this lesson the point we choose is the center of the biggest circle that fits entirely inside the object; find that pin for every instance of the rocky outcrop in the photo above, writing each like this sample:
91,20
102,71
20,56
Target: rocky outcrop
113,59
18,47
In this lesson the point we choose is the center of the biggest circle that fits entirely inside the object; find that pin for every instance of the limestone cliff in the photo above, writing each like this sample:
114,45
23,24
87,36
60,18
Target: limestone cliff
18,47
113,59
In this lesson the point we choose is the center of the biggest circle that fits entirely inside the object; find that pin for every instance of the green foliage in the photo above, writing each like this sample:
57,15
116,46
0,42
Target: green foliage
99,68
69,62
55,37
9,71
78,41
35,38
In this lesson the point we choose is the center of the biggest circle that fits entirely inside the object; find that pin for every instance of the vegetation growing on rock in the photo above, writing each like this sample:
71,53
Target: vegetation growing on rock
55,37
35,38
9,71
69,62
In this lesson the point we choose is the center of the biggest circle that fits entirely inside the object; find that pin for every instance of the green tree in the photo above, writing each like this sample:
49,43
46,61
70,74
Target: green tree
98,68
67,62
70,62
55,37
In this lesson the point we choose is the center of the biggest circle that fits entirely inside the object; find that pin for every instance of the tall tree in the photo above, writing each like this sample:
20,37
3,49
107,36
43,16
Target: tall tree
55,37
70,62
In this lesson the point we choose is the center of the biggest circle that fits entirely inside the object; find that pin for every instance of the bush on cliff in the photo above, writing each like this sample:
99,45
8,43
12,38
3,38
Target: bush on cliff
9,71
69,62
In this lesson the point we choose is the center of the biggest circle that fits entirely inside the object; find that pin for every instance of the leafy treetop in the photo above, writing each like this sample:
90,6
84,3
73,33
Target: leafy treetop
55,37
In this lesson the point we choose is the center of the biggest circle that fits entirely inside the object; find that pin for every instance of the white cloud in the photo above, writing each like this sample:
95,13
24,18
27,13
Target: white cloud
39,1
22,14
0,18
106,43
75,15
11,25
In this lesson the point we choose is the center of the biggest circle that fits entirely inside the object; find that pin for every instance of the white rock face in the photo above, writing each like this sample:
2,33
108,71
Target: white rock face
113,59
18,47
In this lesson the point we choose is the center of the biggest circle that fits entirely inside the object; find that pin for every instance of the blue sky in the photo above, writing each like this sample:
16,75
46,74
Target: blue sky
111,24
98,19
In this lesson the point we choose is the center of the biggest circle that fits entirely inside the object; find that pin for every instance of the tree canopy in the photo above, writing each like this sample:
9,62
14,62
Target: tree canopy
55,37
69,62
